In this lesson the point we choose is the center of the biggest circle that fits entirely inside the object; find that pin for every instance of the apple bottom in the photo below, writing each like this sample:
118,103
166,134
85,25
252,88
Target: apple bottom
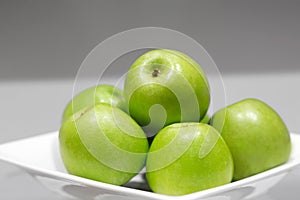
186,158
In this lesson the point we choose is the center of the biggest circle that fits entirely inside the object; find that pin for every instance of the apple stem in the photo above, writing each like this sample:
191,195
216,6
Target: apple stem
155,72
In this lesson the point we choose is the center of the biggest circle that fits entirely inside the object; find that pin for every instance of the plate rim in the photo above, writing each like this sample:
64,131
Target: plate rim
141,193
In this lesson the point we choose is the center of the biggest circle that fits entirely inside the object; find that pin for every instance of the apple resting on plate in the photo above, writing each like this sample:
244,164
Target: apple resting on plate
167,94
256,136
103,143
186,158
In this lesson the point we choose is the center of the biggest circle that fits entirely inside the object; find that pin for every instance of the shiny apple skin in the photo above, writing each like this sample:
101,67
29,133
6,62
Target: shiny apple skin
255,134
97,94
186,158
103,143
164,87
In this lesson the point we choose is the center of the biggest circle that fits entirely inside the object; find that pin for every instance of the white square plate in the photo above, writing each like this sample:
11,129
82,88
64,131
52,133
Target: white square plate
39,156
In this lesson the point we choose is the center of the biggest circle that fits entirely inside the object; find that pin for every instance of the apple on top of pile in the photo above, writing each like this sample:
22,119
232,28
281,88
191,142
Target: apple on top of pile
159,121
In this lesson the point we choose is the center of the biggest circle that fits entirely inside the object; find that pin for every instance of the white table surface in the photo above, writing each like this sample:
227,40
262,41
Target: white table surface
33,107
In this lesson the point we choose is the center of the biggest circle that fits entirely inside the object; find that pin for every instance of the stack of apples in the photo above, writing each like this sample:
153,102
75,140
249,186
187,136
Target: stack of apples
159,122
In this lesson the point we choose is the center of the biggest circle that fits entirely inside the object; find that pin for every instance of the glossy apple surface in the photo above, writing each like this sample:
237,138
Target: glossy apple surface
205,119
165,86
98,94
103,143
186,158
256,135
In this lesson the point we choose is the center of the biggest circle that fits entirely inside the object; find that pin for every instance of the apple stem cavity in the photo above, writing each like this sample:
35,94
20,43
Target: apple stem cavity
155,72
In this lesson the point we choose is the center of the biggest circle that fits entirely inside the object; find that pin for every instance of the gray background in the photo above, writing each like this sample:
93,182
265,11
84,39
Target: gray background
255,44
49,39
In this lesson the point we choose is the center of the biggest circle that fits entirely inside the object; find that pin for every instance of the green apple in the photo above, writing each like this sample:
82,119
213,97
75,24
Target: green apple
205,119
100,93
186,158
164,87
103,143
256,135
